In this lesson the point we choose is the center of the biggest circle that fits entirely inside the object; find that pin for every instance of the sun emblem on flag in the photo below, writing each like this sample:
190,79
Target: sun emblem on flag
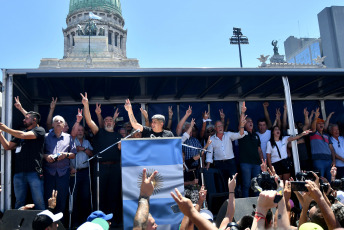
157,181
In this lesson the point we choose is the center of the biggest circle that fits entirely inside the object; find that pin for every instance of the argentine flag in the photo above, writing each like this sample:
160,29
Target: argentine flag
163,155
93,16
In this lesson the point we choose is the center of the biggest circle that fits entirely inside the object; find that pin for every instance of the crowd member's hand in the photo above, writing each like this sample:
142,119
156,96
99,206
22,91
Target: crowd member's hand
285,106
331,114
127,105
263,165
61,156
50,158
317,113
98,109
202,194
306,132
287,190
147,186
208,143
115,115
72,171
317,181
222,114
17,103
266,104
243,108
313,190
27,207
144,113
243,121
272,171
278,114
52,200
189,111
196,157
53,103
305,112
333,173
312,113
195,181
205,115
170,112
266,201
232,183
79,115
84,99
185,205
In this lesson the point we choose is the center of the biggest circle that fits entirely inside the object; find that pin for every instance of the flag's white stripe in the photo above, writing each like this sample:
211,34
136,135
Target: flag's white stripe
171,175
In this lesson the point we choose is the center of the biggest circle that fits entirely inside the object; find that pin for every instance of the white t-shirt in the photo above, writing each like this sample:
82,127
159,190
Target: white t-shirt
282,146
264,138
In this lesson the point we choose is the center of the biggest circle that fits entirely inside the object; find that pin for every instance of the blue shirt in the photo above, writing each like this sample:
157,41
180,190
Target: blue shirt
54,145
320,146
189,152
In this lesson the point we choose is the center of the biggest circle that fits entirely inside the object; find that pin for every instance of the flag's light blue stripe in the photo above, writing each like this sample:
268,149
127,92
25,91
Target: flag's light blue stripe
159,208
155,151
169,177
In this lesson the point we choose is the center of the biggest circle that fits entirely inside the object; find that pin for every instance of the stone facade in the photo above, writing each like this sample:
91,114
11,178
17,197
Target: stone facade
105,48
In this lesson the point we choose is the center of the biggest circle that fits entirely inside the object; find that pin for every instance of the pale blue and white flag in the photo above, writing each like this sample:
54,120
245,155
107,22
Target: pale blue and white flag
163,155
93,16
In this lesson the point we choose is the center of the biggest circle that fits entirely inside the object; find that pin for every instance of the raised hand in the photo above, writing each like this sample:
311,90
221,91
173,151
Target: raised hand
147,186
17,103
127,105
53,103
306,132
52,200
202,195
222,114
144,113
98,109
189,111
232,183
205,115
266,104
333,172
278,114
84,99
192,122
317,113
170,112
305,112
185,205
264,166
115,115
243,107
243,121
79,115
313,190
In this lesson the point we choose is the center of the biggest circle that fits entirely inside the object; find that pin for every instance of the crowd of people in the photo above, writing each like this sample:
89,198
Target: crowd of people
51,159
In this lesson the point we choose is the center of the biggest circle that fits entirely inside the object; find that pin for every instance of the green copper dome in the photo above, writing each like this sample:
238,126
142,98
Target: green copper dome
109,5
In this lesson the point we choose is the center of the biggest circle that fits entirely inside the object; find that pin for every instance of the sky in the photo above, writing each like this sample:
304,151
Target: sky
178,33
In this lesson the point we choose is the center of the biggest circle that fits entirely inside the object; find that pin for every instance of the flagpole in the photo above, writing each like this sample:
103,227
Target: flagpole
89,37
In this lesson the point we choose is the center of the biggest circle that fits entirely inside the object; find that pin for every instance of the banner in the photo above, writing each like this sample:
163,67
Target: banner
163,155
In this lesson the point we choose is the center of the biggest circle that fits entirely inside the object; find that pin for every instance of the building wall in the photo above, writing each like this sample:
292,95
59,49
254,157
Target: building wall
331,24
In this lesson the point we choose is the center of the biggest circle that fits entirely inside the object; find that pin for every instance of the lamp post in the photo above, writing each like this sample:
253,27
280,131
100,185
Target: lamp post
238,39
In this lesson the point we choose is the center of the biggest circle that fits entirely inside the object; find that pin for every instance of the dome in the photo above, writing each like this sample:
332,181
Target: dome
113,6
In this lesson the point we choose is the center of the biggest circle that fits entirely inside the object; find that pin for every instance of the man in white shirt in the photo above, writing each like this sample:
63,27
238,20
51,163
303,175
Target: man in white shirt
338,145
264,135
221,149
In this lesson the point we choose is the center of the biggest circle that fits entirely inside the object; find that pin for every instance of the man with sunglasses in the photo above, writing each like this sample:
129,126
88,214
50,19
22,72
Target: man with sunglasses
338,145
28,145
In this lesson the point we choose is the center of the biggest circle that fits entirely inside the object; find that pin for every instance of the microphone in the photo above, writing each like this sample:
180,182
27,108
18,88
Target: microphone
135,131
152,136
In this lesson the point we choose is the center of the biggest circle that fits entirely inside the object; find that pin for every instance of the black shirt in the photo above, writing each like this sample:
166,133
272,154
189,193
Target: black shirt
104,139
248,149
148,131
31,150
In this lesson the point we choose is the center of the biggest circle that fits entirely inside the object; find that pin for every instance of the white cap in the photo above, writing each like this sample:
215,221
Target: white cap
55,217
90,226
207,214
340,196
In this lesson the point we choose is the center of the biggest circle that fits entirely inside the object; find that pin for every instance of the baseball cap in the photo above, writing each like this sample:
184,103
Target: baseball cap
310,226
99,214
319,120
207,214
102,223
45,219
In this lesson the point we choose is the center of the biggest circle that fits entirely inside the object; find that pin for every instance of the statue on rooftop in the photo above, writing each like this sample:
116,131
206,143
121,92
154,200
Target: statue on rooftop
274,44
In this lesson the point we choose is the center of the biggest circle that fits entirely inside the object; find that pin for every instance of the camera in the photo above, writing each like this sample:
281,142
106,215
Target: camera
308,175
338,184
233,226
263,181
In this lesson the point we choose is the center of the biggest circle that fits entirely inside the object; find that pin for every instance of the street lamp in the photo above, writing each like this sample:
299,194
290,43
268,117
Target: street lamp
238,38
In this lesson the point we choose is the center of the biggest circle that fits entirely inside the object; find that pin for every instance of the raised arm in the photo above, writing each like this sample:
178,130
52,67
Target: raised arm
18,106
282,217
179,128
145,115
170,115
51,113
99,115
231,203
205,116
132,119
76,124
285,116
278,118
8,145
314,122
327,122
146,190
17,133
94,128
306,123
266,114
298,136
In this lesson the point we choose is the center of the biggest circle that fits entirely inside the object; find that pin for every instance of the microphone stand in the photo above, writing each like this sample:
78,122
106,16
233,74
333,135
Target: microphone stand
98,157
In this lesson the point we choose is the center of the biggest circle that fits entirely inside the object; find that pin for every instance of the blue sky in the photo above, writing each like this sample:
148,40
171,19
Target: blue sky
179,33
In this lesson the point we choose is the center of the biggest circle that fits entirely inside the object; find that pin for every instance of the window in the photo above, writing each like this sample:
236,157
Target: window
110,37
120,41
116,39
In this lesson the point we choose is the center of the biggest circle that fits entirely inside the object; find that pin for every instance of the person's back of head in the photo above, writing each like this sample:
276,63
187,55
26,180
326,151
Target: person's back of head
317,217
338,210
245,222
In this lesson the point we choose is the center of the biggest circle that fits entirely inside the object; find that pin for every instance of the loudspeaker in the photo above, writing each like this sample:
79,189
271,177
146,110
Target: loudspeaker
243,206
21,219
